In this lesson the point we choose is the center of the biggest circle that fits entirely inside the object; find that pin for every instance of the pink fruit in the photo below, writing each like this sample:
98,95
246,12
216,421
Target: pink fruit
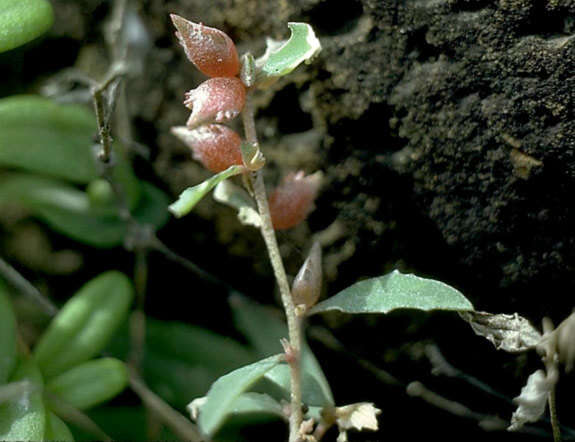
211,50
215,100
292,201
217,147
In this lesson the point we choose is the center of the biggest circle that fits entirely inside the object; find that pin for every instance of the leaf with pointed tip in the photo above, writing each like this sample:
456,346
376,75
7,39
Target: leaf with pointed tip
251,319
281,58
193,195
395,291
225,391
22,21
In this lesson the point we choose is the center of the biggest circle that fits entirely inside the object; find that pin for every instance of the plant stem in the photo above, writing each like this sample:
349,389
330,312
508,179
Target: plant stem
269,236
553,413
14,278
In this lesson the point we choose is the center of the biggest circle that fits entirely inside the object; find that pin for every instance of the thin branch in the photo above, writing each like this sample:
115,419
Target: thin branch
181,426
15,279
269,236
75,416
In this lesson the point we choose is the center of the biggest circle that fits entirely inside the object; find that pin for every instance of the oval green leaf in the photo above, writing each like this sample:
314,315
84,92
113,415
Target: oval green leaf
395,291
85,324
193,195
71,212
24,418
251,319
22,21
226,390
56,430
42,136
90,383
282,58
7,335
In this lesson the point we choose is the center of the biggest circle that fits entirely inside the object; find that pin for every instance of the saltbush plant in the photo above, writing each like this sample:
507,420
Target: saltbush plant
87,354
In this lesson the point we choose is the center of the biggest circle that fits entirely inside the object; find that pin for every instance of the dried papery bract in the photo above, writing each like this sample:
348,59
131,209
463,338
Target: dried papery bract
292,201
217,147
211,50
306,286
215,100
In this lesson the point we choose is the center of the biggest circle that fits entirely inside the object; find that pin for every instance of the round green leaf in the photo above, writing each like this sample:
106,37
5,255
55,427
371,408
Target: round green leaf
7,335
90,383
85,324
24,418
22,21
395,291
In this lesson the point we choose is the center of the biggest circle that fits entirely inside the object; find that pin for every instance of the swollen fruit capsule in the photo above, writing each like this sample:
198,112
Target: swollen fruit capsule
211,50
306,286
216,146
215,100
292,201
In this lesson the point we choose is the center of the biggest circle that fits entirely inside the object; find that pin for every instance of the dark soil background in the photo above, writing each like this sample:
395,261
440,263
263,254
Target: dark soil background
446,133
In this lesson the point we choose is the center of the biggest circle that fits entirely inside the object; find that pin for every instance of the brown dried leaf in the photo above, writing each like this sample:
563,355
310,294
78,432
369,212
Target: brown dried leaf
511,333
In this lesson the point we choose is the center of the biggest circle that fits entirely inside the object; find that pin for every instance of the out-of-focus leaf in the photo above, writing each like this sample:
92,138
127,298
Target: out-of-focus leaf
251,319
122,423
70,211
532,400
193,195
22,21
42,136
54,139
395,291
511,333
187,353
90,383
281,58
24,418
85,324
56,430
227,389
7,335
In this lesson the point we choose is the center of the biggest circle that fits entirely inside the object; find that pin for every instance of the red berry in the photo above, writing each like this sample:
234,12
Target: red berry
215,100
211,50
292,201
217,147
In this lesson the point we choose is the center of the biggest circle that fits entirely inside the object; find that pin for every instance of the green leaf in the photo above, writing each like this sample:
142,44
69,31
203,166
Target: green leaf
193,195
8,352
227,389
22,21
185,352
90,383
85,324
71,212
248,409
395,291
251,319
24,418
42,136
54,139
281,58
56,430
